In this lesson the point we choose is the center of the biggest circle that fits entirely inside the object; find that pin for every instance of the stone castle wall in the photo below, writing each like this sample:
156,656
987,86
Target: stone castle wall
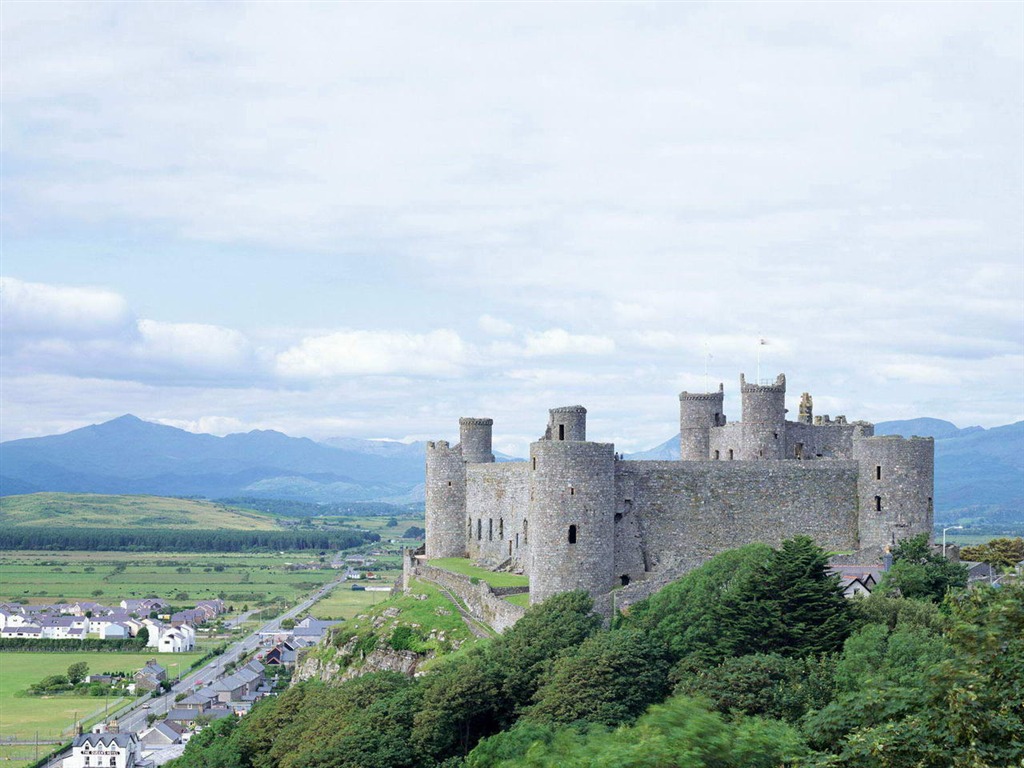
497,501
691,511
574,516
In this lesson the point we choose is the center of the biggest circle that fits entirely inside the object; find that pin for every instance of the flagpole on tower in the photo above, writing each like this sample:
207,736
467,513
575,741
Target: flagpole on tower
707,360
760,343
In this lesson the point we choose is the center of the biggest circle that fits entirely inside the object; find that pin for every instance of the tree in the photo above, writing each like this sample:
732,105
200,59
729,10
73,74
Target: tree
764,685
681,733
460,705
525,652
77,672
392,522
1004,553
919,573
751,600
611,678
969,707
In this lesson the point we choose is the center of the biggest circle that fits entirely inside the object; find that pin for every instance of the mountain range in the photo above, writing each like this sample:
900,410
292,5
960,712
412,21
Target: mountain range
979,473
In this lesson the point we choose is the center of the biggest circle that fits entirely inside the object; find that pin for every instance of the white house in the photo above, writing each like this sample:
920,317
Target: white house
104,750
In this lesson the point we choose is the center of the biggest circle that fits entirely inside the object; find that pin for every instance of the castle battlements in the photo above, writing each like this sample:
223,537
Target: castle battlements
576,516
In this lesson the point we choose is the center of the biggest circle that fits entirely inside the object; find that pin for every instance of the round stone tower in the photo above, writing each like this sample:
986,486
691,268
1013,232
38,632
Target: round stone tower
571,517
895,487
568,423
475,437
764,419
446,501
698,413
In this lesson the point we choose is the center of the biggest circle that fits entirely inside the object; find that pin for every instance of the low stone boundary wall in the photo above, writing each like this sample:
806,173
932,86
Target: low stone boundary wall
482,600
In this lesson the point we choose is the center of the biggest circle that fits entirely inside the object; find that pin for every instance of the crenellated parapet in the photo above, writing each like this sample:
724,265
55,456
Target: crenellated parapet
699,413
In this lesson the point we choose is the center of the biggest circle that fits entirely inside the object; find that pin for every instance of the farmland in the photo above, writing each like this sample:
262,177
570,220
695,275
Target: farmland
109,577
85,510
22,716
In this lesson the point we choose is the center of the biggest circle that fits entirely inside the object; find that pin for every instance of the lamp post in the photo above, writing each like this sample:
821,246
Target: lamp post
950,528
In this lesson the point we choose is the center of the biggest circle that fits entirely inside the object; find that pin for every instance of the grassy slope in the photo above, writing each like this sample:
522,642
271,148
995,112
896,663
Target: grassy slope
85,510
436,620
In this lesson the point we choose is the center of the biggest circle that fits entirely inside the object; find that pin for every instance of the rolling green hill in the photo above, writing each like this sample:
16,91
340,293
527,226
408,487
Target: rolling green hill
84,510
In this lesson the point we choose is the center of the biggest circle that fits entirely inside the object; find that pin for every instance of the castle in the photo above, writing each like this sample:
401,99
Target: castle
577,516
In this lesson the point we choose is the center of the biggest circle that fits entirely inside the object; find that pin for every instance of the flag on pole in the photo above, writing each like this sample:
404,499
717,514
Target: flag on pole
764,342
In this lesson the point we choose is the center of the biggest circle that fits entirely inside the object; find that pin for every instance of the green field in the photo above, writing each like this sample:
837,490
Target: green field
343,603
466,568
522,599
44,577
85,510
53,716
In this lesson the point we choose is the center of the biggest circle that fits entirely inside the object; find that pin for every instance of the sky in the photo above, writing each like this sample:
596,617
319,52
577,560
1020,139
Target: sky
368,220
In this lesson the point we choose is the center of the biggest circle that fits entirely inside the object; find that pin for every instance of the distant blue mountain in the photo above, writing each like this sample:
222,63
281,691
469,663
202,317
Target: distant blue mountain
128,455
979,473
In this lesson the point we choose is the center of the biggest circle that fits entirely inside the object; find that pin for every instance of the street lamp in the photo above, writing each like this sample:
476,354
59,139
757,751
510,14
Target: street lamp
950,528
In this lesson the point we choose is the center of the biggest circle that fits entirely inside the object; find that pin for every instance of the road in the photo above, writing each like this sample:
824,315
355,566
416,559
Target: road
132,717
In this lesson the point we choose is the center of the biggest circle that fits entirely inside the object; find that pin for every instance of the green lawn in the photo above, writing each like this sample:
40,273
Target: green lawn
343,603
52,716
463,566
522,599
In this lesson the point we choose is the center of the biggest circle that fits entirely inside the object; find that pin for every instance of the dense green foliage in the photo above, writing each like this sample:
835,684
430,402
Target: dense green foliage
918,572
50,645
750,600
791,677
163,540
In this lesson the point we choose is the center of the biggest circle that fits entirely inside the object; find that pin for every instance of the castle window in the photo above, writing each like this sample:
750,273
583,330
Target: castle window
572,534
572,491
730,454
798,451
878,503
878,472
561,431
534,462
525,542
490,529
449,483
479,529
470,533
517,541
501,528
618,517
776,435
718,455
624,578
930,504
510,547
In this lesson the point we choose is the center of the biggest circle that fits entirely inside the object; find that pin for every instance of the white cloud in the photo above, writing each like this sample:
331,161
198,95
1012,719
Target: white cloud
193,346
495,326
437,353
558,341
37,310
